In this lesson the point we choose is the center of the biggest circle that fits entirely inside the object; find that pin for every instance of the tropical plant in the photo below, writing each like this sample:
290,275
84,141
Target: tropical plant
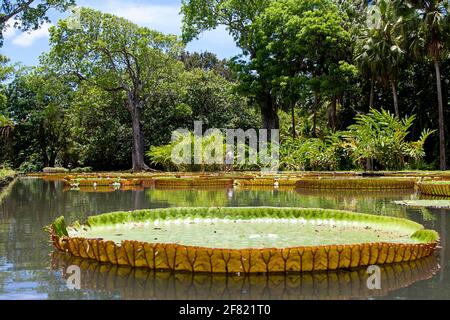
312,154
188,152
381,137
172,157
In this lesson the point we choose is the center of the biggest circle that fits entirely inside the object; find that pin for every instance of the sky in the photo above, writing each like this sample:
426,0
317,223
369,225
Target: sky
161,15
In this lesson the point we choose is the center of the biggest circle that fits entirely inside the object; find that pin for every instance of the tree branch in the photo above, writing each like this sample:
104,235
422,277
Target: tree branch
19,9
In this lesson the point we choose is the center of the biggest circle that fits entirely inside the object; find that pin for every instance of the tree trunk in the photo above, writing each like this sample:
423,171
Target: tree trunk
395,95
269,113
332,121
45,160
369,164
138,140
442,158
294,131
316,106
372,93
52,159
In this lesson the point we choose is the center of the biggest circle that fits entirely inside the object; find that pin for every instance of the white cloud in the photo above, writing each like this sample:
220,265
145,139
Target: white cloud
27,39
161,17
166,18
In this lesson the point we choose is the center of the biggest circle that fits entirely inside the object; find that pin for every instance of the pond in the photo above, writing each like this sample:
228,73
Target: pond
30,269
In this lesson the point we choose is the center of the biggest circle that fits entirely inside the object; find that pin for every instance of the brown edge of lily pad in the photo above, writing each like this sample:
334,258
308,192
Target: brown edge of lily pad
175,257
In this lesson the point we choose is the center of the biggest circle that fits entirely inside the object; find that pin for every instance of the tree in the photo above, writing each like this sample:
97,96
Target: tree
380,52
206,61
100,132
37,102
28,14
238,16
117,56
304,40
432,40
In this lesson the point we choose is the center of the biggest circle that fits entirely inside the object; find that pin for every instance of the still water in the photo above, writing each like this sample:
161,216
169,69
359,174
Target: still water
29,269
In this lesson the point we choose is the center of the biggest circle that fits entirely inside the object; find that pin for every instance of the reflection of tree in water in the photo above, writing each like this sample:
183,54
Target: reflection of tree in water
33,204
365,201
132,283
354,200
205,197
5,191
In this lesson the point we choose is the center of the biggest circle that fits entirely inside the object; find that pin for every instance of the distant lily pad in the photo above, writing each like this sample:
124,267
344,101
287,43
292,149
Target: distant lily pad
425,203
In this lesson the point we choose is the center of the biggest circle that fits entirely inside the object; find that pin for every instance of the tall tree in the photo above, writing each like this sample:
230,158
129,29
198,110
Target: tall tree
304,39
432,39
120,57
380,49
238,16
28,14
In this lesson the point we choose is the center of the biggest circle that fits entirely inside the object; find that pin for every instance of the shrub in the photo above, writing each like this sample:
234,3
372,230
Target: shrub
82,170
382,138
312,154
55,170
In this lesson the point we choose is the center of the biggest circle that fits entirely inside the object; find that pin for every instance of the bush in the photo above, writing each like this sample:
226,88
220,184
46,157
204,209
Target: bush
28,167
312,154
379,137
55,170
82,170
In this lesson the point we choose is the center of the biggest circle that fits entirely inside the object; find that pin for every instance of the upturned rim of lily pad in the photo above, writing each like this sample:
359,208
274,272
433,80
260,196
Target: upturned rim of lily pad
178,257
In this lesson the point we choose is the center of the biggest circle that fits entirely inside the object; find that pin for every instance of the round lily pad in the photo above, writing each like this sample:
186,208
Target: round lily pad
245,240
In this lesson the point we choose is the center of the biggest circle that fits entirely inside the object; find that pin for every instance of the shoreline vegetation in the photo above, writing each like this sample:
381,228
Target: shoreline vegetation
6,177
342,92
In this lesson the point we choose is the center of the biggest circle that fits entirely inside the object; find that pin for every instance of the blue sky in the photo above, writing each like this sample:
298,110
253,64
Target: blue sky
161,15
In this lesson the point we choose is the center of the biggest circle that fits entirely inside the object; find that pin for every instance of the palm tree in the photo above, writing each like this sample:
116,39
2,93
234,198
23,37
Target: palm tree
379,50
431,39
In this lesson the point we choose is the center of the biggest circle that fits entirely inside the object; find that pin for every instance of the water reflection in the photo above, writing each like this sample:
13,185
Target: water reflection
31,204
133,283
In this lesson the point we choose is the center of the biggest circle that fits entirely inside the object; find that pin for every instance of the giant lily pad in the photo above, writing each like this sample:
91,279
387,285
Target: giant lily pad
435,188
425,203
244,240
357,183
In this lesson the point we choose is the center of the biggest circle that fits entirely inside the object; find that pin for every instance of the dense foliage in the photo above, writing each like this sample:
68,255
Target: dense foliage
344,81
